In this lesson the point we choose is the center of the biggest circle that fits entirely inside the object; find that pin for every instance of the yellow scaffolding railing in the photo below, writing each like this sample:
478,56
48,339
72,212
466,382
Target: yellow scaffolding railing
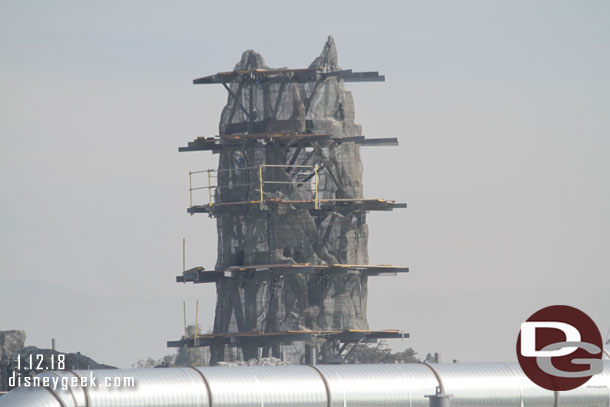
260,184
260,180
197,323
196,332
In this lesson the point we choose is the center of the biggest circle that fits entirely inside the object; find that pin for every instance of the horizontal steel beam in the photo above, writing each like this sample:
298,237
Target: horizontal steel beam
323,205
261,339
294,75
198,275
218,143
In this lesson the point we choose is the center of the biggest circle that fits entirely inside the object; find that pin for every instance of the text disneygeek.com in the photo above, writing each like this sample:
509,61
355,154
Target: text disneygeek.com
61,382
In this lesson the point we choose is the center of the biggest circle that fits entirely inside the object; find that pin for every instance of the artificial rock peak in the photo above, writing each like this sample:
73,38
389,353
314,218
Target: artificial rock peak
288,199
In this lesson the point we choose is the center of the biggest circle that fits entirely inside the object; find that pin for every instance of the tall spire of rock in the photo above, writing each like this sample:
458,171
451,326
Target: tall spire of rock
291,216
328,59
250,59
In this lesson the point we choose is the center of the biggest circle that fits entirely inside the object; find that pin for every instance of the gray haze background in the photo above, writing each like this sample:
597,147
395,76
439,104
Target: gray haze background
501,108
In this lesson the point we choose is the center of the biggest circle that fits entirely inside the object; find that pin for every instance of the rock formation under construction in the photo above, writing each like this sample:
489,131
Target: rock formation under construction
288,200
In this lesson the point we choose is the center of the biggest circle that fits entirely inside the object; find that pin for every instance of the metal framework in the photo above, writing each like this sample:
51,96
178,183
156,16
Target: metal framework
341,343
262,339
309,171
215,144
323,205
294,75
198,275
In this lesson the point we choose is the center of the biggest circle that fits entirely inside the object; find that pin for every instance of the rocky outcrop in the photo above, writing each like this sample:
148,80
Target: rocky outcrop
15,359
11,344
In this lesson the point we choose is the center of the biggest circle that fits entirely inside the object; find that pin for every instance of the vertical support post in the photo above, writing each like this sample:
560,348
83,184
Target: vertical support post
315,171
210,186
52,344
310,355
197,323
183,257
4,379
251,114
260,181
190,189
184,314
439,399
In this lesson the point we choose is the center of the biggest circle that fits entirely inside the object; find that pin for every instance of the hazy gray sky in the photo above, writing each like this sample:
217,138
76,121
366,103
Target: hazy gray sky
502,110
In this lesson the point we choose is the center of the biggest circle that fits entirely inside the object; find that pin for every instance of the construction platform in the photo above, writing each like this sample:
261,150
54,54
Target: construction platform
216,143
352,204
198,275
292,75
263,339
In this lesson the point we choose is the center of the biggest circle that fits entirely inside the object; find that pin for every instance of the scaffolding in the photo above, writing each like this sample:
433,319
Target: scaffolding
199,275
309,182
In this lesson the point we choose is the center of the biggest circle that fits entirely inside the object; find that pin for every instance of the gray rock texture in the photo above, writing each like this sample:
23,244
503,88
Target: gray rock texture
285,234
11,344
